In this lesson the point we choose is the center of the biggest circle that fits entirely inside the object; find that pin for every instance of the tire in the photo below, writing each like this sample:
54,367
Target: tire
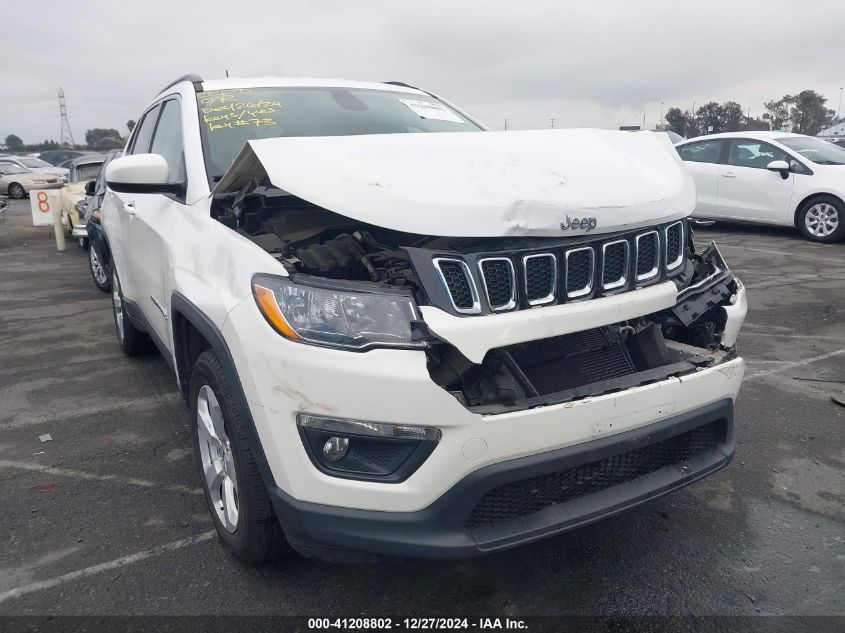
822,219
99,268
132,341
239,506
16,191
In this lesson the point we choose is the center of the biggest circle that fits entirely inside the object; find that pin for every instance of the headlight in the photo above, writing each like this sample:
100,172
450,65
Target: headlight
346,315
37,182
80,206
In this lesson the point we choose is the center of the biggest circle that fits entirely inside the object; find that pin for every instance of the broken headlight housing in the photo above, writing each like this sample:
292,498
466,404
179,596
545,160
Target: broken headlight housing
346,315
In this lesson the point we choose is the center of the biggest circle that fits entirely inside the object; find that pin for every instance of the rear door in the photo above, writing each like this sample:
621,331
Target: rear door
702,160
749,191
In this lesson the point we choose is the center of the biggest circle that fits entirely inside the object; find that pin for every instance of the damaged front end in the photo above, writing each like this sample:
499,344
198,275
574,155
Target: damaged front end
698,332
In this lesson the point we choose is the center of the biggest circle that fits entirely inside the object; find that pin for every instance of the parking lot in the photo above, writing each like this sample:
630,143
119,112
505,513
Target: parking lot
108,517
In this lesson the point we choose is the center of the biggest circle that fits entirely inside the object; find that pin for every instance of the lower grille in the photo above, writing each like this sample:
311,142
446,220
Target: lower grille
525,497
569,361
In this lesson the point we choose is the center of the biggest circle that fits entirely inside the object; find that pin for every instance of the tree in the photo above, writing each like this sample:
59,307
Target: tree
681,123
677,120
732,117
14,142
103,138
808,114
777,112
708,116
130,124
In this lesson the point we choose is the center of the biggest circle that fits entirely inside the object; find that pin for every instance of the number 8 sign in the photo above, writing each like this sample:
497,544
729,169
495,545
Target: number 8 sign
42,203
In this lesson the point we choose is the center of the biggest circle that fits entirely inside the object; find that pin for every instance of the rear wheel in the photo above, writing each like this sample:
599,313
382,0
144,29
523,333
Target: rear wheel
823,219
234,490
132,341
99,269
16,191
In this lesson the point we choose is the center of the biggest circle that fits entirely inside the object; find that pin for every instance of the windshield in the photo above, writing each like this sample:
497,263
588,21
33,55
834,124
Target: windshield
34,162
229,118
11,168
815,149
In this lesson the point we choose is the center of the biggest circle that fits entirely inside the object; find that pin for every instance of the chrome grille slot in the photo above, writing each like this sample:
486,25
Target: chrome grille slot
497,276
674,245
580,270
540,278
614,265
648,255
456,279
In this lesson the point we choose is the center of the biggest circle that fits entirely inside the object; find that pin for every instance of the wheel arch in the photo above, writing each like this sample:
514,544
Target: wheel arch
810,197
194,333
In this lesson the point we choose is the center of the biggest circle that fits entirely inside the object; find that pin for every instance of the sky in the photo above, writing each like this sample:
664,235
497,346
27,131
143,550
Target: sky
592,63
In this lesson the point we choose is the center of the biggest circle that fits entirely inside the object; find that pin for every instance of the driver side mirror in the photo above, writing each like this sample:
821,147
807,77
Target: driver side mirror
140,173
779,165
90,187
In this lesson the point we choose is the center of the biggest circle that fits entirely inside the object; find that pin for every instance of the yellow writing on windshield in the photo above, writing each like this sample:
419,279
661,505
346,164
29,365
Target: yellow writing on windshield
228,109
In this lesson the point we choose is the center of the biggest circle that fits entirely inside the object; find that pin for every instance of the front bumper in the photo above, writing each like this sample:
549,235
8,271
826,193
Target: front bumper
444,529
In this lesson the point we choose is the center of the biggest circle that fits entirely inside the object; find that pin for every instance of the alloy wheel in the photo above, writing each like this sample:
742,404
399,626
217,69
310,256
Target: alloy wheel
821,220
218,463
97,267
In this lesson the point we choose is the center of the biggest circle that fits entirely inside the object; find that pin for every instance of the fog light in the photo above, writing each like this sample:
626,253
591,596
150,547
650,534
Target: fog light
335,448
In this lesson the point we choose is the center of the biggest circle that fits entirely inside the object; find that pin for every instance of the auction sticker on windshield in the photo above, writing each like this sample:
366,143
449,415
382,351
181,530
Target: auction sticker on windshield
431,110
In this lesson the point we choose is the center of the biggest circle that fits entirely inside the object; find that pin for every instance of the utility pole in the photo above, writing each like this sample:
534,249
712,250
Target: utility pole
552,123
839,107
506,124
66,134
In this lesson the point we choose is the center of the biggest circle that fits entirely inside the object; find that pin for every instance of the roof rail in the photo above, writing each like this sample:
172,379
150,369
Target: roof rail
404,85
194,79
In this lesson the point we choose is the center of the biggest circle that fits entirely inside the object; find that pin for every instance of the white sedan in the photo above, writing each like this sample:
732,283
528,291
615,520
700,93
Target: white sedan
772,178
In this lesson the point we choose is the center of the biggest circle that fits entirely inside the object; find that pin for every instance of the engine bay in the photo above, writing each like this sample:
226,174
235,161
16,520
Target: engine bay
309,240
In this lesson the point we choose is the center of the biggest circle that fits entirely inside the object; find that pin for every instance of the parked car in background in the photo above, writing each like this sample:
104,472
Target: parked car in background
17,181
58,156
72,200
99,258
36,164
771,178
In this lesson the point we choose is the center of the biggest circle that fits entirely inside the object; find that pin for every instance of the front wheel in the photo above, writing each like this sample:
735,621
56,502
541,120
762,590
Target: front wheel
234,490
17,191
823,220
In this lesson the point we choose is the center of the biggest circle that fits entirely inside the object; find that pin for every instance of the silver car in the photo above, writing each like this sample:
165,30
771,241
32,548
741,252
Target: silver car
17,181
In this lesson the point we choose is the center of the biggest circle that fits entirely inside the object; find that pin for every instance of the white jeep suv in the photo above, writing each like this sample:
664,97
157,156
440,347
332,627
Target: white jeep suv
402,334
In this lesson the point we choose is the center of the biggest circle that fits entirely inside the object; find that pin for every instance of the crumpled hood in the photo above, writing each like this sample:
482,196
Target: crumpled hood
479,184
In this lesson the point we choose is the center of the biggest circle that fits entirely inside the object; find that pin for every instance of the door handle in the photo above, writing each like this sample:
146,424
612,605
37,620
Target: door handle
129,207
728,174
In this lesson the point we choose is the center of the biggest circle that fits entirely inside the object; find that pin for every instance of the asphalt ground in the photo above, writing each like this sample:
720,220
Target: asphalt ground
108,517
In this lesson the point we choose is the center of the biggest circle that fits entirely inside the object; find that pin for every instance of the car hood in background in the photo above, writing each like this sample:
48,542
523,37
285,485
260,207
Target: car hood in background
477,184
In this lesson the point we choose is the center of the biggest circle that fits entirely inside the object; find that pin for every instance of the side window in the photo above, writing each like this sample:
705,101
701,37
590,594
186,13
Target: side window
167,140
701,152
141,143
755,154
